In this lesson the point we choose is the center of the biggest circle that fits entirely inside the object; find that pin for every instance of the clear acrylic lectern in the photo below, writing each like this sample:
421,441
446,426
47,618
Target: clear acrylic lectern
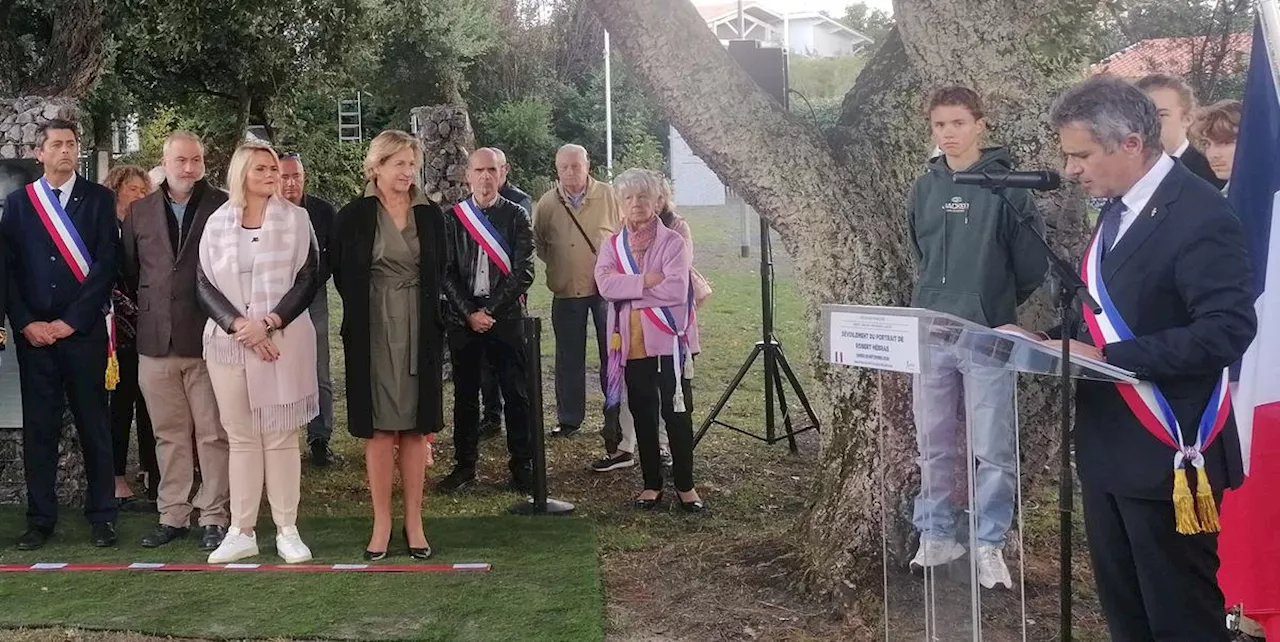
964,380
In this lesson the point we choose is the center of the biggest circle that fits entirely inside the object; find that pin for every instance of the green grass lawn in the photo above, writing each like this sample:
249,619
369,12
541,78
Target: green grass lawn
544,585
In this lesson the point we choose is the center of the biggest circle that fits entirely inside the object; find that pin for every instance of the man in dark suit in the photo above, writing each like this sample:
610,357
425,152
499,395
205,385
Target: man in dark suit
1175,269
1176,103
59,289
161,252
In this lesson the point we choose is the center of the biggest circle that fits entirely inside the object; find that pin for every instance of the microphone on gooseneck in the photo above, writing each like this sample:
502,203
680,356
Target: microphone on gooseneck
1001,178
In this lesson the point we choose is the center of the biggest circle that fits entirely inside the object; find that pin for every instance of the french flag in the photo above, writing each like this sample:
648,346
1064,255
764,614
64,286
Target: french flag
1250,543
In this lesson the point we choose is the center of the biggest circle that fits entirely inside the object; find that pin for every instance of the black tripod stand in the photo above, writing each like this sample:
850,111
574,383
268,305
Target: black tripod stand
775,366
1071,289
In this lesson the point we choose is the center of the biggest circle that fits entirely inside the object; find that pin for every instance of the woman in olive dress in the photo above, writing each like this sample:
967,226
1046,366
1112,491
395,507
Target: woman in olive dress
384,252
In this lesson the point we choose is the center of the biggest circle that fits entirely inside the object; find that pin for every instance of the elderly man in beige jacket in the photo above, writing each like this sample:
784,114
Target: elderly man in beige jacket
570,222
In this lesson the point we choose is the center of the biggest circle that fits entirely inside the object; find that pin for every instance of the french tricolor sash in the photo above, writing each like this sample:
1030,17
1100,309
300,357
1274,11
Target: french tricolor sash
1153,411
73,250
484,234
661,316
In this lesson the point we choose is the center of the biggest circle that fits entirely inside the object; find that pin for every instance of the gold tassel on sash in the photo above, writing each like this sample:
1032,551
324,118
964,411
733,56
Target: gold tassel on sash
1206,507
113,364
615,342
1184,507
113,372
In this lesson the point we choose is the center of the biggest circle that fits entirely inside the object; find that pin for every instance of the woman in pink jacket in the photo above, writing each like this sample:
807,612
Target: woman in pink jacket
643,272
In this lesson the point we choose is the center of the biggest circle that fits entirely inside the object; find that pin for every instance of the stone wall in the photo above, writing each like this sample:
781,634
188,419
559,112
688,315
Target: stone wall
71,476
20,117
447,140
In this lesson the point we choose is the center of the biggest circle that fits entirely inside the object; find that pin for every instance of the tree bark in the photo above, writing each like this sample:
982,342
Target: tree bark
839,207
76,52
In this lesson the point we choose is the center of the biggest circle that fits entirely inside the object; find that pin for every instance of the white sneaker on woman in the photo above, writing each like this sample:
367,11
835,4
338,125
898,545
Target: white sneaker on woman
290,547
235,546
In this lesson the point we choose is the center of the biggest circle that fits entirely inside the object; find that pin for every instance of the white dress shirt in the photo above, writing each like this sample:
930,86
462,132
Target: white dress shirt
1136,199
1182,149
66,188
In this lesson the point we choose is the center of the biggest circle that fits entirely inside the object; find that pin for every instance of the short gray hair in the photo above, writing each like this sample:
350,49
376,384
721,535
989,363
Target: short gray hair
639,180
577,149
181,134
1111,109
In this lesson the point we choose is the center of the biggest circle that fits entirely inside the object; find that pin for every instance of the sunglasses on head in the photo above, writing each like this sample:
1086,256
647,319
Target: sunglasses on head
290,156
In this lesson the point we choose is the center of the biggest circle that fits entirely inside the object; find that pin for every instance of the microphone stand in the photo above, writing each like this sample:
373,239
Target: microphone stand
1071,288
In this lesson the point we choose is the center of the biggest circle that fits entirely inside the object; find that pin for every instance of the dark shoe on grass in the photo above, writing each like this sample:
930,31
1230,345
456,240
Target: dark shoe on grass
103,534
321,456
34,539
163,535
565,430
457,480
211,537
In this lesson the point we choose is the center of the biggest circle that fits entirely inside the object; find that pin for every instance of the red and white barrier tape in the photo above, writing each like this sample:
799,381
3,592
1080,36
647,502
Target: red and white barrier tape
44,567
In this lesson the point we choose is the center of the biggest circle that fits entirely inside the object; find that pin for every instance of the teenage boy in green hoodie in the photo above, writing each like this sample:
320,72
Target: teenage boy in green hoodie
977,262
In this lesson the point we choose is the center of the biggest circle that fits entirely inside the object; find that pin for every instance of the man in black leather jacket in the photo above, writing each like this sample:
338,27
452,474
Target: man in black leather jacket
490,391
486,289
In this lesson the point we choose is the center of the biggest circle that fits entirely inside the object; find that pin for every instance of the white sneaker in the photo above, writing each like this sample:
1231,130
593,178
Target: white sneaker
290,547
936,552
235,546
992,570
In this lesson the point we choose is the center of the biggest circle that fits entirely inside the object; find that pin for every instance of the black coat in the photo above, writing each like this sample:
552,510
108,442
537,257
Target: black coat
1199,165
321,214
1180,277
350,258
506,291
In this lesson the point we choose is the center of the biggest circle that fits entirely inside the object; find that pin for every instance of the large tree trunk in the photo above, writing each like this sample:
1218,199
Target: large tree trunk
839,208
76,52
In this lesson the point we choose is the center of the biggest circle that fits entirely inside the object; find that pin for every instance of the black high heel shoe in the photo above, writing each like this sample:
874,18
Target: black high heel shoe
648,504
374,556
416,553
695,506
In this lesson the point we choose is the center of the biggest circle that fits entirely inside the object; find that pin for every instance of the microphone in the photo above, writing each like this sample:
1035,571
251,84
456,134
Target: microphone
1003,178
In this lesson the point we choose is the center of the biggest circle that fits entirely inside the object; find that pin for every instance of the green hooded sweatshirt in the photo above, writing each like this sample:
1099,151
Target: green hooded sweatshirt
975,260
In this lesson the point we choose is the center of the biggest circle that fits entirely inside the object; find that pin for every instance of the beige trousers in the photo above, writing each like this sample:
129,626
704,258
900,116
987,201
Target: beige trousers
257,457
184,416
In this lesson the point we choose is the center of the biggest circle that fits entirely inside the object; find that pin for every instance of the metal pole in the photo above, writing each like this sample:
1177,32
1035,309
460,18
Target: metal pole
538,503
742,21
1269,13
608,106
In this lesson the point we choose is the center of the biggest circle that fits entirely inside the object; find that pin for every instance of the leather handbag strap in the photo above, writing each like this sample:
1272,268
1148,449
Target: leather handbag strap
576,223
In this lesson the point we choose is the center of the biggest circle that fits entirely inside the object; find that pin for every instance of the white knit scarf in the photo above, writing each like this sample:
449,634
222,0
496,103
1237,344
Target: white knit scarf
283,394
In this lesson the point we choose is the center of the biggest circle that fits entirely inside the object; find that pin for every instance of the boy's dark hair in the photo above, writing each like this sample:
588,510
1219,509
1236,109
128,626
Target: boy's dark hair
42,132
1186,94
957,96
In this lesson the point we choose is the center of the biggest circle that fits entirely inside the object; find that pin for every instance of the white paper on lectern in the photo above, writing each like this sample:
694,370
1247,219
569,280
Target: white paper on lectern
882,342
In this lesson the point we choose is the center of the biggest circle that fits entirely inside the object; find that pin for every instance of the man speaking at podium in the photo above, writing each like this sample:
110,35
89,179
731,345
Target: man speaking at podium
1168,265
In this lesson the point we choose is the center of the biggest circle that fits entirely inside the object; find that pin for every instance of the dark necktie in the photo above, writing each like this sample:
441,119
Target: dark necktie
57,193
1112,212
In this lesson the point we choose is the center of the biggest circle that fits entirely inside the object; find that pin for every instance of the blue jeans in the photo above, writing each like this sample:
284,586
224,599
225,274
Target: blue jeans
321,428
940,428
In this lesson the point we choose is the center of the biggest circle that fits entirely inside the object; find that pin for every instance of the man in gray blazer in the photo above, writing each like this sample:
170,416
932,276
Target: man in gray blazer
161,251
